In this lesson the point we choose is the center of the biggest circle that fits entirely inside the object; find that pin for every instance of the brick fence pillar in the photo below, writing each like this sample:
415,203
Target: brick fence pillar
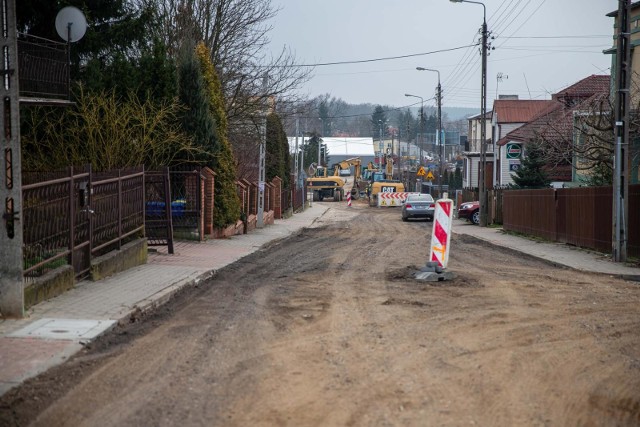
267,197
253,203
208,199
277,197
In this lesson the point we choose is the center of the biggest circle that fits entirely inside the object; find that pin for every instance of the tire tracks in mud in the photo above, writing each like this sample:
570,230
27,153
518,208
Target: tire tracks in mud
329,327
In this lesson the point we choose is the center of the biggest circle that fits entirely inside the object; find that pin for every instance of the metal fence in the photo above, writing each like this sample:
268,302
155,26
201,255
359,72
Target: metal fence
44,68
286,200
186,201
158,221
71,216
298,198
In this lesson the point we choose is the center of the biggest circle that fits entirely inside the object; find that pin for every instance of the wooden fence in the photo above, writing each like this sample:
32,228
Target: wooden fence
576,216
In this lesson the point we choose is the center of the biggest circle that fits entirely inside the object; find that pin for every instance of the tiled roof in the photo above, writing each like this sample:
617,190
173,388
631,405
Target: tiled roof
488,115
585,87
529,130
518,110
557,119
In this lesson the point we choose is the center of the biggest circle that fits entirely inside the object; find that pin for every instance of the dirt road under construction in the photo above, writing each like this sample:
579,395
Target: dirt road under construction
329,328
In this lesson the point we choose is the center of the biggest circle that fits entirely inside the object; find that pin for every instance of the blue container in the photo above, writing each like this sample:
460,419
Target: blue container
178,208
154,209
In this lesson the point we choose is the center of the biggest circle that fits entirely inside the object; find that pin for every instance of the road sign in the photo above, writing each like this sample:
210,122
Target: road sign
441,234
430,176
421,172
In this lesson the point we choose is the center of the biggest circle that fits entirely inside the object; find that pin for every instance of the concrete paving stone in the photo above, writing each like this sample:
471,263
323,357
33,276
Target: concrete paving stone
112,297
64,329
559,253
22,358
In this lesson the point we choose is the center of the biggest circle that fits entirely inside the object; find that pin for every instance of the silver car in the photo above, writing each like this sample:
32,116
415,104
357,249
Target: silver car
418,206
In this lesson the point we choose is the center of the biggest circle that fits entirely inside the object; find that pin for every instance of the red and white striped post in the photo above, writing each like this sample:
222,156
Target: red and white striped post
349,199
441,235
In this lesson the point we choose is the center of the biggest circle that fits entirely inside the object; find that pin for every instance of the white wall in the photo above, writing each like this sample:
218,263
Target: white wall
503,176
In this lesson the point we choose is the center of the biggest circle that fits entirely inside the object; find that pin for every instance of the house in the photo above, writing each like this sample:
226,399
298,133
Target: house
556,123
471,157
509,115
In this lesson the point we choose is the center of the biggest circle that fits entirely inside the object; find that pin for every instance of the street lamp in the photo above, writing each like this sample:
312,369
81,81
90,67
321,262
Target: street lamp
483,120
421,124
439,136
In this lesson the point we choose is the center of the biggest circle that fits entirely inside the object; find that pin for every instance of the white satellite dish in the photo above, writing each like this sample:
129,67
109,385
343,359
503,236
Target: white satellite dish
71,24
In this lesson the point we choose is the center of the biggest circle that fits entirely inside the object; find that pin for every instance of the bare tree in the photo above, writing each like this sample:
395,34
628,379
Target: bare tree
236,33
581,136
253,81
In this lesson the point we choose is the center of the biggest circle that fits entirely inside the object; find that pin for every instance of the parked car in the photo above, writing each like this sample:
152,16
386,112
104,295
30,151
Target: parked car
418,205
470,211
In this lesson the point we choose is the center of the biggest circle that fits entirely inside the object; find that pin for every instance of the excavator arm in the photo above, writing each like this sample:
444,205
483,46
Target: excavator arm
389,166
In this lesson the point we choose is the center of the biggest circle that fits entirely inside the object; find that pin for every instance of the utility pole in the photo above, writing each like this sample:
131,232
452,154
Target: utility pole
621,157
304,187
11,237
440,140
484,208
261,164
380,146
319,144
421,131
482,183
295,160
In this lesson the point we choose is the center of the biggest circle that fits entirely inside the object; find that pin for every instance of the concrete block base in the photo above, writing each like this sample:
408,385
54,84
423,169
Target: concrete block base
50,285
130,255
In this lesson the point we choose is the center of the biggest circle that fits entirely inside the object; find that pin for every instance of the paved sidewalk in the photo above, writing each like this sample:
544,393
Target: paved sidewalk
56,329
558,253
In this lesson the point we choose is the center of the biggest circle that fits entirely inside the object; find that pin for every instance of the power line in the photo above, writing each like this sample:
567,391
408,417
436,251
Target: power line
388,58
495,28
550,50
591,36
533,46
525,21
513,20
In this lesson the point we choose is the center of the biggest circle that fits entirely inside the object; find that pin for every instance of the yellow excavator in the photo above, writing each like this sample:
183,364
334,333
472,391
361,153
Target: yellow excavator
324,185
356,162
381,181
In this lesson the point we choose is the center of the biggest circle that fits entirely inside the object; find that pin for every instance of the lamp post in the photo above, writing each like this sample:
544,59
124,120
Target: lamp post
439,136
483,119
421,124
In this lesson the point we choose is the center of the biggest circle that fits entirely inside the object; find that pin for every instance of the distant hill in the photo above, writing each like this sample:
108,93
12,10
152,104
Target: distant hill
450,114
354,120
457,113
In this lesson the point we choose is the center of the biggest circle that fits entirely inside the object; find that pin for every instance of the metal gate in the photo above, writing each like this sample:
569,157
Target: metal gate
158,218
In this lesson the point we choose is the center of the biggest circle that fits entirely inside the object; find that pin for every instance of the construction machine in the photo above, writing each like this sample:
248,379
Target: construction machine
324,185
357,175
381,181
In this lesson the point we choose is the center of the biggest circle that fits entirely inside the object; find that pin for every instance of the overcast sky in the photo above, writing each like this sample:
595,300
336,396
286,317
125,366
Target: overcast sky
541,45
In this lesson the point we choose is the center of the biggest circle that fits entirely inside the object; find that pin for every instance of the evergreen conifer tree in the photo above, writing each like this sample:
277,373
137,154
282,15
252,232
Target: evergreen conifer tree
197,120
226,202
531,173
278,160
